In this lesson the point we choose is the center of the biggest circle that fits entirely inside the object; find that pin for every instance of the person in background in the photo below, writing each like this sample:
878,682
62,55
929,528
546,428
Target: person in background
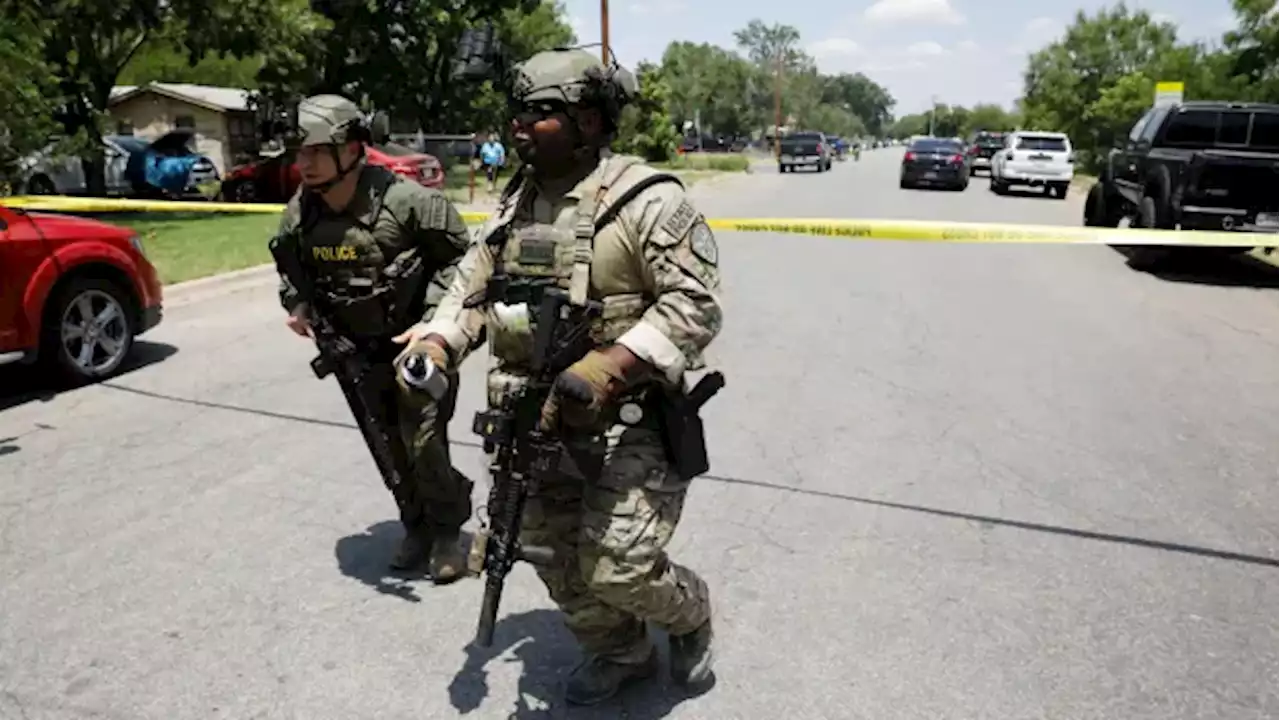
494,157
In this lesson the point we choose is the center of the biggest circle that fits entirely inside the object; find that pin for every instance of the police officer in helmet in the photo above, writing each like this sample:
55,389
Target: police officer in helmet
383,249
607,228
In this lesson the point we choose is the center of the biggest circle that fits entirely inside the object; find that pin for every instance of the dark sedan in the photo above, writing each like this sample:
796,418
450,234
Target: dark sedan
935,161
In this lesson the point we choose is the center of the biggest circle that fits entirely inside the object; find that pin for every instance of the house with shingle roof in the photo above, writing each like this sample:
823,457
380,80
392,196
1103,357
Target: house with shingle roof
224,124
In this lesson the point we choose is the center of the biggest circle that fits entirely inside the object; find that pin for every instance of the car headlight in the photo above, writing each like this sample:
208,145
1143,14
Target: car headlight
136,242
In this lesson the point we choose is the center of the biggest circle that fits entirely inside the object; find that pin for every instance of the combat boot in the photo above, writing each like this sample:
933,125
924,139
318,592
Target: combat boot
414,549
597,679
448,561
691,656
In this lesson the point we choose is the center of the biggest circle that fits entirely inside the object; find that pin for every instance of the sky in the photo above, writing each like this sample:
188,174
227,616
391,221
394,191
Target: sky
960,51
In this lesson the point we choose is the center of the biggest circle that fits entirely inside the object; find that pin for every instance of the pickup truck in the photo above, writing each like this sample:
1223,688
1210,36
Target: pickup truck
1191,166
804,149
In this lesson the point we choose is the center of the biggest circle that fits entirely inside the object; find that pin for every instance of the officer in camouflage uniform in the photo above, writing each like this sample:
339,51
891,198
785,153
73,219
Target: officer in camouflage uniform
653,263
385,249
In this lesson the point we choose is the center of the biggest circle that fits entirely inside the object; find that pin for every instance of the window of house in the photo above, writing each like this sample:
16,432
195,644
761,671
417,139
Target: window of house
185,122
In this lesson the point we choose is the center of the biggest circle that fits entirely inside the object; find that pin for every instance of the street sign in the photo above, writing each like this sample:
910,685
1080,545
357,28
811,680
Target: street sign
1168,93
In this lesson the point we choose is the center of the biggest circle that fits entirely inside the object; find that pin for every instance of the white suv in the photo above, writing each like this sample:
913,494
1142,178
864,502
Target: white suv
1034,159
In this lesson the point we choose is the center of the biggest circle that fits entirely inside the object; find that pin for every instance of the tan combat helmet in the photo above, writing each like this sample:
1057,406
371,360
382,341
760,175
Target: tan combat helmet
572,76
330,120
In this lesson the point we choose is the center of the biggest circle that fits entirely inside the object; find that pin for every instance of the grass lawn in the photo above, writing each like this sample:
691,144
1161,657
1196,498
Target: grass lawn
185,246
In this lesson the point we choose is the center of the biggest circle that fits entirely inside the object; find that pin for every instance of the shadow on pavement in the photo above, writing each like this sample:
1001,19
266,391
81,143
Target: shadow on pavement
1212,268
366,557
547,653
21,384
982,520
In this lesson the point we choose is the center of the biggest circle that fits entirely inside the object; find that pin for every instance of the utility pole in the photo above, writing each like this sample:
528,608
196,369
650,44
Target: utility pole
777,108
604,31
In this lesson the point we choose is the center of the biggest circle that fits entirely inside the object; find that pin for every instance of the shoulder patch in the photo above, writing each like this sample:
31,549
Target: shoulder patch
684,217
703,243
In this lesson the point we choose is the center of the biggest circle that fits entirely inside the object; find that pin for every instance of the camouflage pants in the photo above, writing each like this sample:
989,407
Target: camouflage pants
608,515
443,494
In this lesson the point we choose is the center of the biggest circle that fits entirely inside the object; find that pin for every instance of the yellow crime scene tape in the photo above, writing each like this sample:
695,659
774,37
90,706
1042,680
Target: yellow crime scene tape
895,230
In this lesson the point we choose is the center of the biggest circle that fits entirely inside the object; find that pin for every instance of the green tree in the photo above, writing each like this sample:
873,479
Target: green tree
94,40
645,128
863,97
28,94
398,56
991,118
711,84
162,58
1253,48
1065,81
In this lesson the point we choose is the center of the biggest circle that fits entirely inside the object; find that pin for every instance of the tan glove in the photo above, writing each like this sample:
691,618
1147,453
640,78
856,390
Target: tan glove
581,392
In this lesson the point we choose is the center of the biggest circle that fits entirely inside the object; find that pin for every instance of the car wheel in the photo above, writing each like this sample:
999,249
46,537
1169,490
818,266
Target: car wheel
41,185
89,329
1147,257
903,184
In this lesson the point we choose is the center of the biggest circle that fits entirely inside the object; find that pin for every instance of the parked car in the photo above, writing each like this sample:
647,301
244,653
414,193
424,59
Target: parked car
1192,166
49,173
934,161
74,293
804,149
168,166
276,178
1034,159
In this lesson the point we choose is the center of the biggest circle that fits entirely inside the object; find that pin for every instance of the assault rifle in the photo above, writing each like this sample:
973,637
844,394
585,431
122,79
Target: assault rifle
521,453
344,359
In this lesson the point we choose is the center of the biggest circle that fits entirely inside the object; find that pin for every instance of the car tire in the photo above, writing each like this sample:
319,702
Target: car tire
41,185
66,309
998,187
903,184
1147,257
1100,210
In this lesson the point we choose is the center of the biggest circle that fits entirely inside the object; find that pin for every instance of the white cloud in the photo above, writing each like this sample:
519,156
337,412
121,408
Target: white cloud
927,48
968,46
938,12
893,66
1040,26
577,23
1037,33
1162,17
834,47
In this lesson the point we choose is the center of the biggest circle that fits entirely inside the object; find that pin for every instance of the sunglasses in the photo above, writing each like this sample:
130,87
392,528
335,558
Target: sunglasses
532,112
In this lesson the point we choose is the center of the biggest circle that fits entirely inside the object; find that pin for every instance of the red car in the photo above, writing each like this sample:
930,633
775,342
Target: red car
275,179
74,293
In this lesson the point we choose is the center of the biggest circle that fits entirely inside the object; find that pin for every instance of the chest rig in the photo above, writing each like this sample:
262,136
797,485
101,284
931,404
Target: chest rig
533,259
367,297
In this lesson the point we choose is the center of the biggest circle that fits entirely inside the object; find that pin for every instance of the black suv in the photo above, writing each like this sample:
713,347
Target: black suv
1191,166
983,145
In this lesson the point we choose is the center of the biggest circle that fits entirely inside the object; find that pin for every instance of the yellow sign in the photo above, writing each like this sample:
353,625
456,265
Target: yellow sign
1168,93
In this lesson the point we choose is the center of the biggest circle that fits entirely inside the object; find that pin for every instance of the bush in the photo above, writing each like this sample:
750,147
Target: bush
726,162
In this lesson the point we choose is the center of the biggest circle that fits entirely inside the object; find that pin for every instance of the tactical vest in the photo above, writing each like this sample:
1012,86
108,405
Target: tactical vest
369,296
530,258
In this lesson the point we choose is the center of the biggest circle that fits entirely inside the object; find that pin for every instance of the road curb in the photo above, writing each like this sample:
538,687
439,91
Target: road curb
214,281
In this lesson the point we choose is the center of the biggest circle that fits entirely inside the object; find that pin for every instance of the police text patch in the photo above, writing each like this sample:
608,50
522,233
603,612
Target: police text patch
677,226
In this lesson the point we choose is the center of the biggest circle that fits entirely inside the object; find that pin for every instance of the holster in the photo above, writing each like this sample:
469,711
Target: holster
682,429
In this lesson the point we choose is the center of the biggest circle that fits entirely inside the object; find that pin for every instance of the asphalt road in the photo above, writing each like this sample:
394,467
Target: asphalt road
949,482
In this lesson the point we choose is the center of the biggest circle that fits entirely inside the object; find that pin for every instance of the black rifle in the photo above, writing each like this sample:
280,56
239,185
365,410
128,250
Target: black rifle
341,357
521,453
